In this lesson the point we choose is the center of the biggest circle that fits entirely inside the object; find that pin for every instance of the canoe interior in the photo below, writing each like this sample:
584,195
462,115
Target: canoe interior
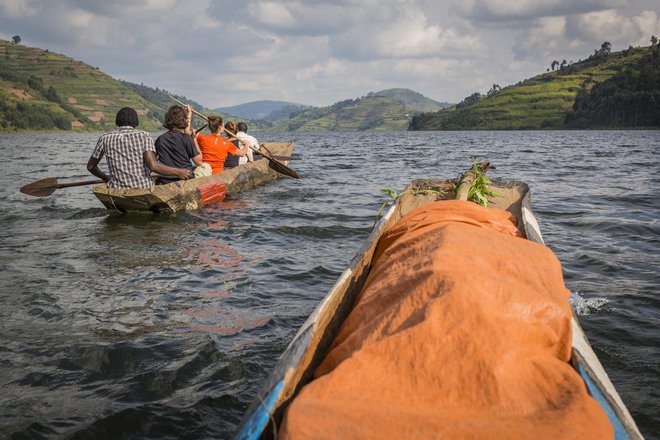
309,346
187,195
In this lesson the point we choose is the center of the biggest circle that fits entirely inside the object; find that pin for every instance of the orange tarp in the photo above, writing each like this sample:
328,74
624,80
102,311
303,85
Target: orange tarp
462,331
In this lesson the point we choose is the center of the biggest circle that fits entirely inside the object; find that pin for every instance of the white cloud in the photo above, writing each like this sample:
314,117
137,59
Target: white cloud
620,30
546,36
506,10
405,32
648,24
271,13
17,8
320,51
328,68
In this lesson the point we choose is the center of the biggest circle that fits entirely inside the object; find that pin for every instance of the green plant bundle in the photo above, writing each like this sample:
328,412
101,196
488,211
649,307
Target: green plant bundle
480,188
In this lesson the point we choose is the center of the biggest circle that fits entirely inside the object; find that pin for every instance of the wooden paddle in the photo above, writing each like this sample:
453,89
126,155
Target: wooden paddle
273,163
199,129
283,157
45,187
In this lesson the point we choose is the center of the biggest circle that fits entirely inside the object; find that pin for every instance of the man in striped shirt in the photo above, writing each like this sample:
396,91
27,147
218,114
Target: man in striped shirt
131,155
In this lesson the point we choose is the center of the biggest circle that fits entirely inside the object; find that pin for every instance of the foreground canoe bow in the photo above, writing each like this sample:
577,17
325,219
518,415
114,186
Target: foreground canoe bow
311,344
187,195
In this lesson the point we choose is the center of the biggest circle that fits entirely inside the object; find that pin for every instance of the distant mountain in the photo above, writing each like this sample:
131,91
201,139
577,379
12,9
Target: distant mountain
411,99
161,98
47,91
387,110
607,90
271,111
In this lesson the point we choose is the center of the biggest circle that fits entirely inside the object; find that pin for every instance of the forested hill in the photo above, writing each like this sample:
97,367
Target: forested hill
41,90
607,90
387,110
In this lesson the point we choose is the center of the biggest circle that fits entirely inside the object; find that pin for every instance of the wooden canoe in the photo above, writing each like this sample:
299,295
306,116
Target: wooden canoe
192,194
310,344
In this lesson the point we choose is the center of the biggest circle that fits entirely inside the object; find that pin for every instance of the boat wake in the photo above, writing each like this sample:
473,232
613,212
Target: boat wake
583,307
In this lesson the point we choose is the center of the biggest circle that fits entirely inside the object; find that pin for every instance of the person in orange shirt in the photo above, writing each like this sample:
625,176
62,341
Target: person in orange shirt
215,148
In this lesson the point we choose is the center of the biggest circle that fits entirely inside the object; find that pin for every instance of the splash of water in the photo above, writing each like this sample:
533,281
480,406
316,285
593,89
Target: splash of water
584,306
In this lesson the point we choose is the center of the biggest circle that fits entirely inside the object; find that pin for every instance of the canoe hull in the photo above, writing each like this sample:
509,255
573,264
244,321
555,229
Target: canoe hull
188,195
311,343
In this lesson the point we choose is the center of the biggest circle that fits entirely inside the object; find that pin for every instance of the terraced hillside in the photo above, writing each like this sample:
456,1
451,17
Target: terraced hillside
41,90
541,102
388,110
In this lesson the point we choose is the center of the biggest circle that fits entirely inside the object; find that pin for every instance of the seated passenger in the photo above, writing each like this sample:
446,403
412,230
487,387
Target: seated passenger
215,148
251,141
131,155
232,161
176,147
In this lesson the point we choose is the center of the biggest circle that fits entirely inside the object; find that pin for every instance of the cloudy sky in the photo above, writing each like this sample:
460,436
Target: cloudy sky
318,52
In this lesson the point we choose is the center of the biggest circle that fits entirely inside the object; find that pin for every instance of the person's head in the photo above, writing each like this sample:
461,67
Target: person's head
242,126
215,122
127,117
176,117
231,126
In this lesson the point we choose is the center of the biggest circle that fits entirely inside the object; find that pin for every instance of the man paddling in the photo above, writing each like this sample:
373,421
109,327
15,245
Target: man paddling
131,155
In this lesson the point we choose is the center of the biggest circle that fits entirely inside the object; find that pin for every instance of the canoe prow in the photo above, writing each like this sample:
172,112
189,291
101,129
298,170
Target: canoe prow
313,340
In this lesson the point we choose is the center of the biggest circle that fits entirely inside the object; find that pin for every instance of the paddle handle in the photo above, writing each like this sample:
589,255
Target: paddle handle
193,110
84,182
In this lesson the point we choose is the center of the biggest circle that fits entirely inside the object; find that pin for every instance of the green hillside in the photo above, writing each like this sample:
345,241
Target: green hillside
541,102
389,110
41,90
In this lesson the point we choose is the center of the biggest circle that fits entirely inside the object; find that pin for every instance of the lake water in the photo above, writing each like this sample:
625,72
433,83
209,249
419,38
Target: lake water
143,326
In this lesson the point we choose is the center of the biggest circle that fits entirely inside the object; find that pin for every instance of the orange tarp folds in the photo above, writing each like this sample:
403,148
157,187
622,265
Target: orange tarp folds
462,331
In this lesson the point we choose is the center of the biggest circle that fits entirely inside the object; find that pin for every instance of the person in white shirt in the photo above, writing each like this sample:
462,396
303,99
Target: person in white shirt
242,135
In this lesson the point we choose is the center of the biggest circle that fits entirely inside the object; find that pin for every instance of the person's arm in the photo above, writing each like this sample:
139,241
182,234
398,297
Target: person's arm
194,151
157,167
197,160
93,167
243,151
199,150
189,108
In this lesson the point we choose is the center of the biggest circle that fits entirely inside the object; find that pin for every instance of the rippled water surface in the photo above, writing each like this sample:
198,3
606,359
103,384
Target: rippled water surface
142,326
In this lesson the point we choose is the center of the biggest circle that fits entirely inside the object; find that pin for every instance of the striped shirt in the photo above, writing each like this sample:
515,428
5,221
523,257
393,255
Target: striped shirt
124,149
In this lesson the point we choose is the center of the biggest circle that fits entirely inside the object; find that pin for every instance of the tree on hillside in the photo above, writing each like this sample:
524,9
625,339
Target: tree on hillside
554,64
494,89
606,48
16,39
51,95
470,100
654,40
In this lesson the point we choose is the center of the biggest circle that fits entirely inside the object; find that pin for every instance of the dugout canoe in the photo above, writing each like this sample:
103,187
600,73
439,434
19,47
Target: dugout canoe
312,341
188,195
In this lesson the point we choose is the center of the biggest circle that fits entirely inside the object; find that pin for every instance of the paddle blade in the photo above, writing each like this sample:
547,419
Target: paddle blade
41,188
281,168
